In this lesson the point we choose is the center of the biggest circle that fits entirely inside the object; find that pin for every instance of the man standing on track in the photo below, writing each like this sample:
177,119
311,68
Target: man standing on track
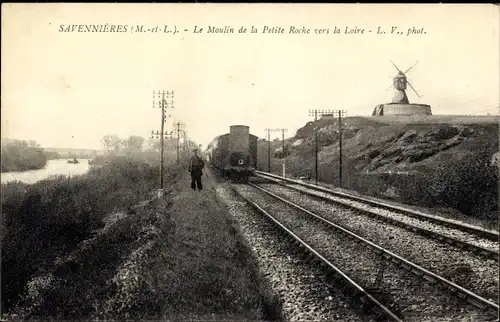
196,164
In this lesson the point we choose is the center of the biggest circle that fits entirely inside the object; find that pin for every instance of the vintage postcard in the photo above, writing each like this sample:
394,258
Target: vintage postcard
332,162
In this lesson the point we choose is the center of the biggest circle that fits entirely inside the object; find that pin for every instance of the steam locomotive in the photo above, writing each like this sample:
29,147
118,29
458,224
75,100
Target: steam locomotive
234,154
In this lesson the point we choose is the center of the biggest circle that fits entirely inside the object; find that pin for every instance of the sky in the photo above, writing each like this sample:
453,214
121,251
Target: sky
69,89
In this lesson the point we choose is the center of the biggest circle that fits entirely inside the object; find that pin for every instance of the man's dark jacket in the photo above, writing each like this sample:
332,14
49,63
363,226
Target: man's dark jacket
196,164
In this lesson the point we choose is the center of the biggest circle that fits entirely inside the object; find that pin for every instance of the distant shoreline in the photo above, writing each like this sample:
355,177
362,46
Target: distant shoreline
43,167
20,171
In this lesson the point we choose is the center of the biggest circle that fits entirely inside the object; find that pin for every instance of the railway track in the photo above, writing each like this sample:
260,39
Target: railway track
478,240
406,299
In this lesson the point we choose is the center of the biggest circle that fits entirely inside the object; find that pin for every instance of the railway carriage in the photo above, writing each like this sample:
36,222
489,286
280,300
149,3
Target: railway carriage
234,154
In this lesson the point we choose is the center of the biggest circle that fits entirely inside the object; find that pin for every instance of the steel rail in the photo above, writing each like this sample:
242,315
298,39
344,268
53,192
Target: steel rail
473,298
352,283
479,231
493,254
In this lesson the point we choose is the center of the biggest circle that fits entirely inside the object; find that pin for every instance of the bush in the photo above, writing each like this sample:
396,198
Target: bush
49,218
18,155
469,184
414,189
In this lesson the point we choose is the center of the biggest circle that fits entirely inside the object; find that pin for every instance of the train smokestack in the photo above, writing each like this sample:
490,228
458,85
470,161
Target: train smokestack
239,138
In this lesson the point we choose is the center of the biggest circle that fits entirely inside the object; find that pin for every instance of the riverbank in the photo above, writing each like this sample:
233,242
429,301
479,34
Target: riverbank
53,168
30,159
21,155
97,246
47,219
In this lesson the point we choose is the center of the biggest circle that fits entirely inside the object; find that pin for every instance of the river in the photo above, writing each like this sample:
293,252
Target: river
53,167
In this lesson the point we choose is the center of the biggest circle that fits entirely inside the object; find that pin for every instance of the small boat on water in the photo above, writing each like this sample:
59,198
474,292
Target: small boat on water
74,161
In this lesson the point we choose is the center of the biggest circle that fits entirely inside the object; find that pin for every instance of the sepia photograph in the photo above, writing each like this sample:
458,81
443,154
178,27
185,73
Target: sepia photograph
250,162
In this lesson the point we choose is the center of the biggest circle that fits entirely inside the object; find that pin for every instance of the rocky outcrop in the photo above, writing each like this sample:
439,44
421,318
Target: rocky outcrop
411,146
433,160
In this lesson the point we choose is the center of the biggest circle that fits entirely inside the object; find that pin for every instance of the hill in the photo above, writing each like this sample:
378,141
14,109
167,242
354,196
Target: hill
431,161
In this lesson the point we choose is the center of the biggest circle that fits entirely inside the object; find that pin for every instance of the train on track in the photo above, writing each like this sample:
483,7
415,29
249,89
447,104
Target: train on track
234,154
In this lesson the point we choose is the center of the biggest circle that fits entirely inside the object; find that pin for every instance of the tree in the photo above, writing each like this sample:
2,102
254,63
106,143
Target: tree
169,144
15,144
134,144
111,143
20,155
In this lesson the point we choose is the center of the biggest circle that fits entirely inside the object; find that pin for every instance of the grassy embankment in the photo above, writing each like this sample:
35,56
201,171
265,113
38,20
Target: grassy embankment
82,248
441,162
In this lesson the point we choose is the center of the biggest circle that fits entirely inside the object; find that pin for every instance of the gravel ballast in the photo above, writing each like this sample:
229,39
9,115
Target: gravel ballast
420,223
301,287
402,291
468,270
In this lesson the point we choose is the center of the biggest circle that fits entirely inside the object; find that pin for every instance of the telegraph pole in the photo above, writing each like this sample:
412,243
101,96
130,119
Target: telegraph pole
268,150
179,127
184,143
315,114
283,141
340,114
283,146
163,103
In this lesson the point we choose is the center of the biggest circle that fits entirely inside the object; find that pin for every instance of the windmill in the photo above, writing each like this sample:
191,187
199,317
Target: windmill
399,83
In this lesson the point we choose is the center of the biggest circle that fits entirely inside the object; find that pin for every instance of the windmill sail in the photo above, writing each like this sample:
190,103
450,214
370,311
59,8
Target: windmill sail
410,68
396,67
413,88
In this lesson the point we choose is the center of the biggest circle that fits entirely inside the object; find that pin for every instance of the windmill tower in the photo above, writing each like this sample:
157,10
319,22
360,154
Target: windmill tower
400,105
399,83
